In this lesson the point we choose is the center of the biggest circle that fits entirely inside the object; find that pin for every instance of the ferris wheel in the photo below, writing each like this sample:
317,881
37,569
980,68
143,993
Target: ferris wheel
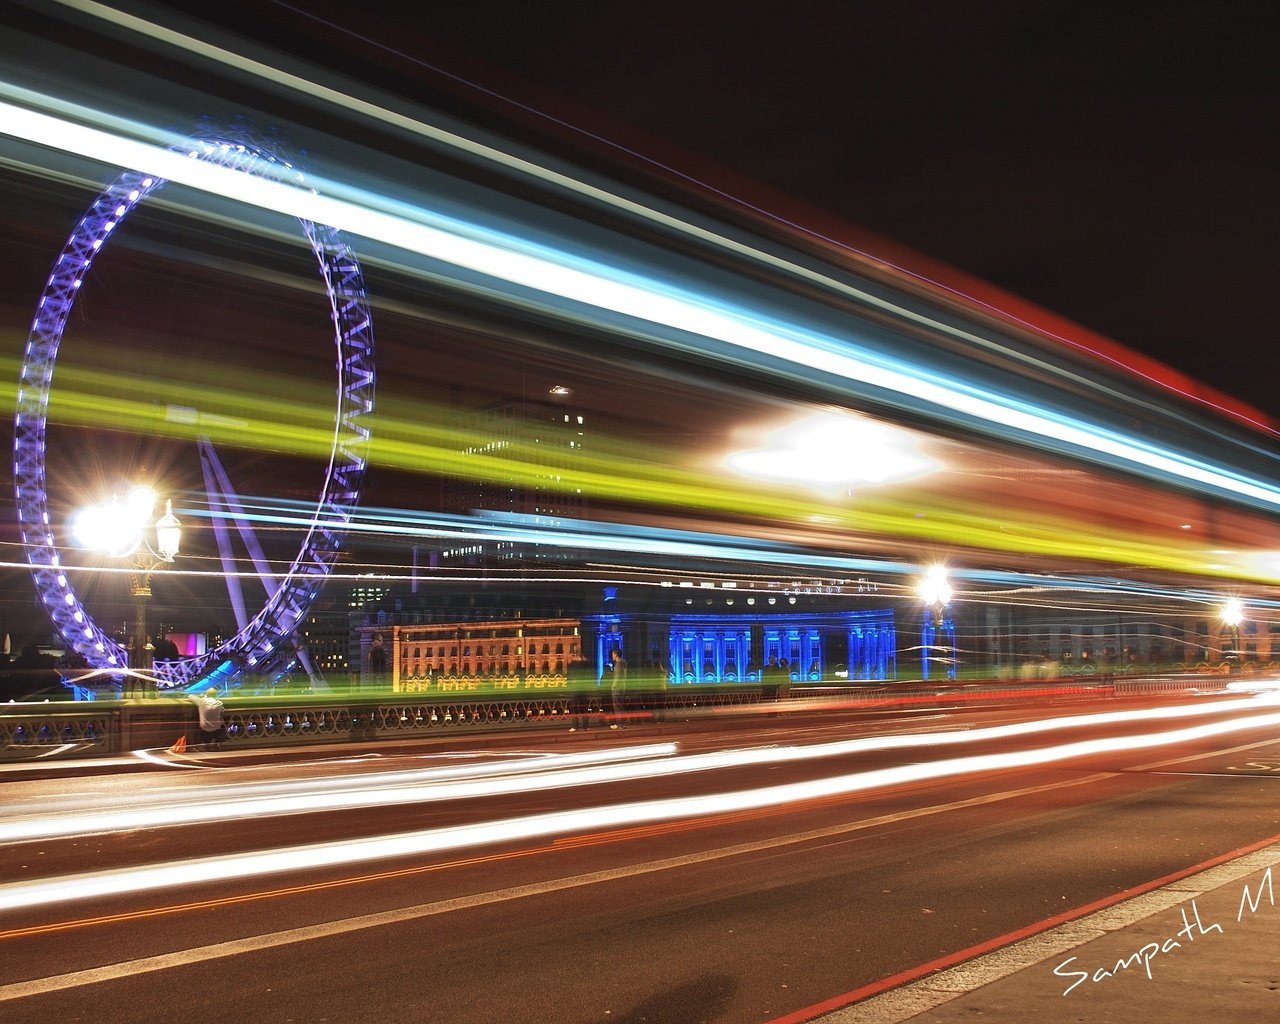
267,637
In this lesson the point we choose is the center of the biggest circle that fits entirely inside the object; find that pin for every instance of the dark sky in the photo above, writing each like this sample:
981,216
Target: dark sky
1114,163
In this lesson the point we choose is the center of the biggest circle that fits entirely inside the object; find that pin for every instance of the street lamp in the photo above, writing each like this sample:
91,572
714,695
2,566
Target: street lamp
934,590
123,529
1232,615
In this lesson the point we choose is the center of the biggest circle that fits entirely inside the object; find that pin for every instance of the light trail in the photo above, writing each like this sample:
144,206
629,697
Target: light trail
726,547
549,177
341,788
750,334
200,871
613,470
643,763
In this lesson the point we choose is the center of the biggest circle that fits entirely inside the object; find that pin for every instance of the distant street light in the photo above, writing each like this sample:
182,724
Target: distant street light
934,590
122,529
1232,615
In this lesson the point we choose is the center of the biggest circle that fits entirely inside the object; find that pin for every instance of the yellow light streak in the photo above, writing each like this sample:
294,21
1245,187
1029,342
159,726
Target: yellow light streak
254,412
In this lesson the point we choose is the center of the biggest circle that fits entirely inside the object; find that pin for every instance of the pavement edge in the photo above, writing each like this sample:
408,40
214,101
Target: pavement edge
917,997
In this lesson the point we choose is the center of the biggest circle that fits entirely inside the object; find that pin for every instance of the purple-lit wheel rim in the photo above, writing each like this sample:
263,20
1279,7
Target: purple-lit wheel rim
258,642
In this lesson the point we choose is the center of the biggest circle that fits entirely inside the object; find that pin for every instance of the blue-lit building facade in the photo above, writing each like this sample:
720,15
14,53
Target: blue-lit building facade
813,640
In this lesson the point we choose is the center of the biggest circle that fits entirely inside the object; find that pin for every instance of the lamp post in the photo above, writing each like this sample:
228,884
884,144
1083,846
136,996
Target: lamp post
1232,615
934,590
123,529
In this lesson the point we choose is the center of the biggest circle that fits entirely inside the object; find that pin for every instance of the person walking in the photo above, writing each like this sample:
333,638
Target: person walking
618,687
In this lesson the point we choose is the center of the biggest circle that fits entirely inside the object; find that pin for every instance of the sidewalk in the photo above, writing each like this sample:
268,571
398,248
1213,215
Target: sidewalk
1204,947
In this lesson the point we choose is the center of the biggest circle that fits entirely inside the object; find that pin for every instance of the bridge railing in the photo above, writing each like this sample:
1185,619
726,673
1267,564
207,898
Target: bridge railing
57,730
97,729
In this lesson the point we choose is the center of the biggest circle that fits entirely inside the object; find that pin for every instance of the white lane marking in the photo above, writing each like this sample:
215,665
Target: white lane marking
150,758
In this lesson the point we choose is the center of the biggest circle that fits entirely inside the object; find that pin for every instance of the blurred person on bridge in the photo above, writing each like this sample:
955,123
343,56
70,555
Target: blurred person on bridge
213,730
618,687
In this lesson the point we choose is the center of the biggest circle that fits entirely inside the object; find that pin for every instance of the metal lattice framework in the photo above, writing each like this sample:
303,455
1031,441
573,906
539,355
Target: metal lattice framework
259,641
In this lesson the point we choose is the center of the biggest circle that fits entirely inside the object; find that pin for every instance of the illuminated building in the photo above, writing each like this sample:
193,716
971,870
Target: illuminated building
503,652
327,634
714,631
819,638
330,628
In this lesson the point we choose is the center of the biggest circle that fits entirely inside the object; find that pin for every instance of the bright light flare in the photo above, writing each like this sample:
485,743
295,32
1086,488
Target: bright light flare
141,503
112,527
835,449
934,588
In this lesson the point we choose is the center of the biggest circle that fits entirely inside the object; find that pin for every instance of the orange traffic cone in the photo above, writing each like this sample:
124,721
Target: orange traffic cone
179,745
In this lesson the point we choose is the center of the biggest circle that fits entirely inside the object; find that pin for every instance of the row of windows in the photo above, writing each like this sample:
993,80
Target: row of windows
425,636
452,651
506,668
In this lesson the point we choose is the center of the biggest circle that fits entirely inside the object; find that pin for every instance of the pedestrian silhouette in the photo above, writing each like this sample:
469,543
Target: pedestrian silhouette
618,687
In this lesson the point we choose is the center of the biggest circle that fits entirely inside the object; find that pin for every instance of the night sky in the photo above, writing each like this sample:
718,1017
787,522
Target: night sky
1113,163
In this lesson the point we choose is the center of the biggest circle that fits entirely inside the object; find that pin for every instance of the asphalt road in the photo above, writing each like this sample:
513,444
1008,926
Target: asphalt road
523,887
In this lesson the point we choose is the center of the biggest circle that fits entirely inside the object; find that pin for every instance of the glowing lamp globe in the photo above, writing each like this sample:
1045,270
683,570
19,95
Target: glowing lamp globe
934,589
168,533
112,528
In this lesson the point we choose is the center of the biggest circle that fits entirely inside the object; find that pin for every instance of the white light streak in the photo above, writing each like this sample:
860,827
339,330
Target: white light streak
539,774
185,807
602,287
201,871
